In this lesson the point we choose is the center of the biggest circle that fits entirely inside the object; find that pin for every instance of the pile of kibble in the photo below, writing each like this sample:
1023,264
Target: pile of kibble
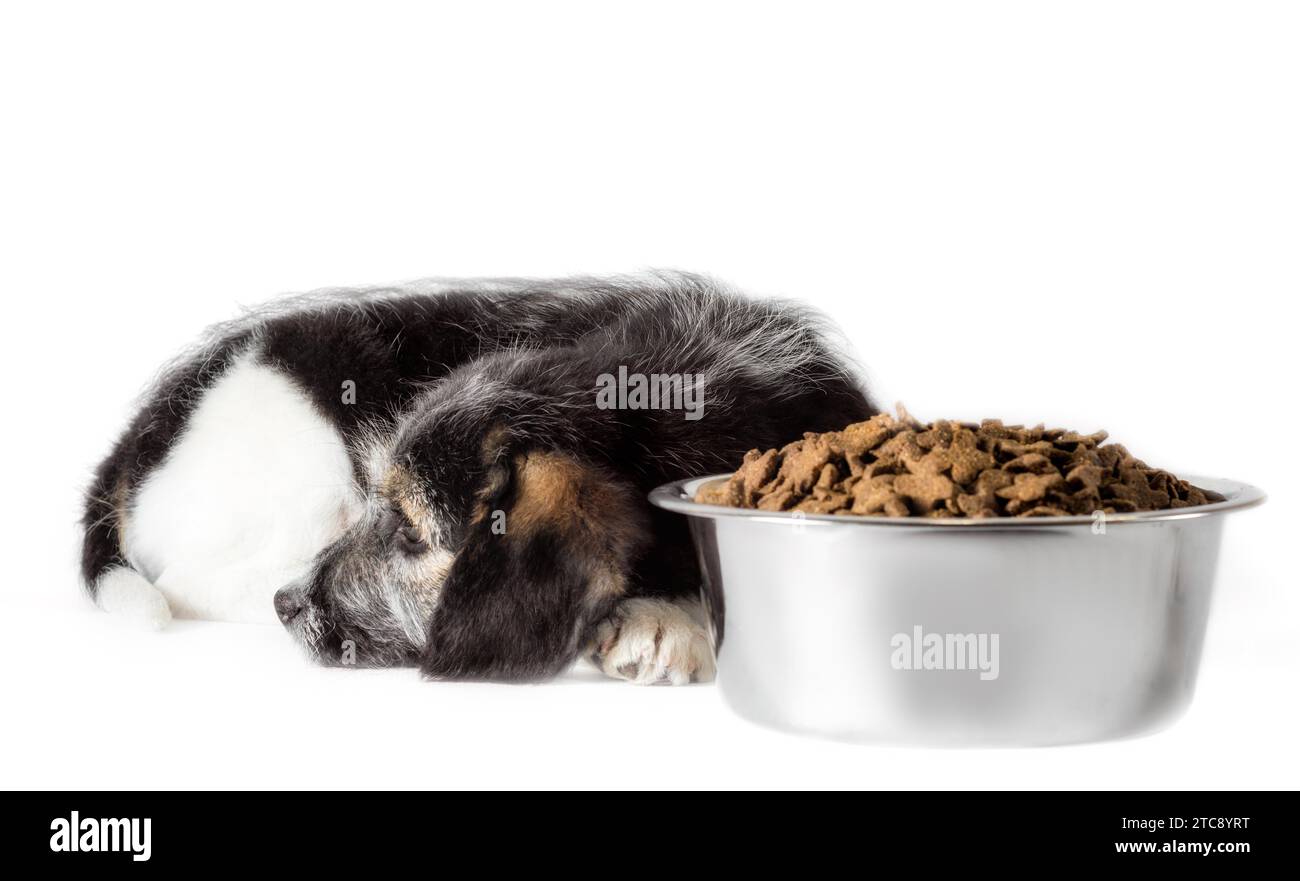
897,467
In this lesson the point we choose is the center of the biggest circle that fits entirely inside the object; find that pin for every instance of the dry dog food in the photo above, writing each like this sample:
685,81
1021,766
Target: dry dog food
897,467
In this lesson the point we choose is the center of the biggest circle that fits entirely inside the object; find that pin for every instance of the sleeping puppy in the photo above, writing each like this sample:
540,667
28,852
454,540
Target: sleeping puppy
453,476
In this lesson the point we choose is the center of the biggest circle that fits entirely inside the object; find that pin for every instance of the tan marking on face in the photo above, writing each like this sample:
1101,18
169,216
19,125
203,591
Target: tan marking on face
401,488
418,580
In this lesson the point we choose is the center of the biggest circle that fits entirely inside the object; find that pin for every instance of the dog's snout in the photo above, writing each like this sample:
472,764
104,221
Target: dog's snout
289,603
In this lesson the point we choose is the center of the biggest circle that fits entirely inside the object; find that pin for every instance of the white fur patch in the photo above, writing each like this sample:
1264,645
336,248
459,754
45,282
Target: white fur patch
132,599
653,642
255,487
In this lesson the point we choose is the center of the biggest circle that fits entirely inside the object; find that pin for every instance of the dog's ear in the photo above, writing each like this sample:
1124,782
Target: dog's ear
546,557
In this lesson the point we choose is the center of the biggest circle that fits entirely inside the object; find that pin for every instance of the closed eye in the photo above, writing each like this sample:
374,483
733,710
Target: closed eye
403,535
409,541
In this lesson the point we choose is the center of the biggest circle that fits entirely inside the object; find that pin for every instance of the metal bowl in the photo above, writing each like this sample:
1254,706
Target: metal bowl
958,632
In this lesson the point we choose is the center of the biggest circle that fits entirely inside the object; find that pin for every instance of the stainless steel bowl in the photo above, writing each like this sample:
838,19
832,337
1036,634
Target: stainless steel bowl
959,632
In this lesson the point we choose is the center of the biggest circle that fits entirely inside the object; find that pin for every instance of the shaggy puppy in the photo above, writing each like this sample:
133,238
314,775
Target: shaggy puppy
453,475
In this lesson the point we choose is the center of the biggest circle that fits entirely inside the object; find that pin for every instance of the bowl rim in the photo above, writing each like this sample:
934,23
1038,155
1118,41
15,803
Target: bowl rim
678,495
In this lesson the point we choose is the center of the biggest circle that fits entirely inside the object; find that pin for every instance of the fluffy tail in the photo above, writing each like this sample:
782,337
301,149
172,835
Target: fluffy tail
110,580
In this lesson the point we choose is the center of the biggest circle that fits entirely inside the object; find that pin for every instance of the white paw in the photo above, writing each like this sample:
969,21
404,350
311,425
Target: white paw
655,642
132,599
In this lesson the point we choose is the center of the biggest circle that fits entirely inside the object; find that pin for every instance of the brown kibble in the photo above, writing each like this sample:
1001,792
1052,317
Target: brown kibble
926,490
721,492
829,503
968,460
862,437
1088,476
828,477
1086,440
1045,511
871,495
1010,449
762,468
896,507
1031,487
1143,498
776,501
1036,463
973,505
991,480
897,467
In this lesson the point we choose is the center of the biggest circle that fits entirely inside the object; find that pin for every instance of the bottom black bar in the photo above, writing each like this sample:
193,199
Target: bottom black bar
330,830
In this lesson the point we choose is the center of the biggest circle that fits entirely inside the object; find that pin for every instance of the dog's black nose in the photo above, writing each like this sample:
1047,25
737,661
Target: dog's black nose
289,602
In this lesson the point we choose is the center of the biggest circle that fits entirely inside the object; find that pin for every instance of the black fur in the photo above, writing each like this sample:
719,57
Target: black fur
390,342
464,389
511,605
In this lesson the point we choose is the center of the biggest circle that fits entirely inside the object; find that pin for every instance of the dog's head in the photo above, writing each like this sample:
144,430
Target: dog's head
487,549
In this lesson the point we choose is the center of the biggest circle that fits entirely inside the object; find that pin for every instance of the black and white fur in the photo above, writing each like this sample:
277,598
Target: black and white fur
468,509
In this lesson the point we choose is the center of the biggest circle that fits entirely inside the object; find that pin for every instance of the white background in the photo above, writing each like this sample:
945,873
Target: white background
1084,214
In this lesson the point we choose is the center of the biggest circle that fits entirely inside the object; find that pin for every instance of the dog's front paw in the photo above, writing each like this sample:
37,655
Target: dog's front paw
655,642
